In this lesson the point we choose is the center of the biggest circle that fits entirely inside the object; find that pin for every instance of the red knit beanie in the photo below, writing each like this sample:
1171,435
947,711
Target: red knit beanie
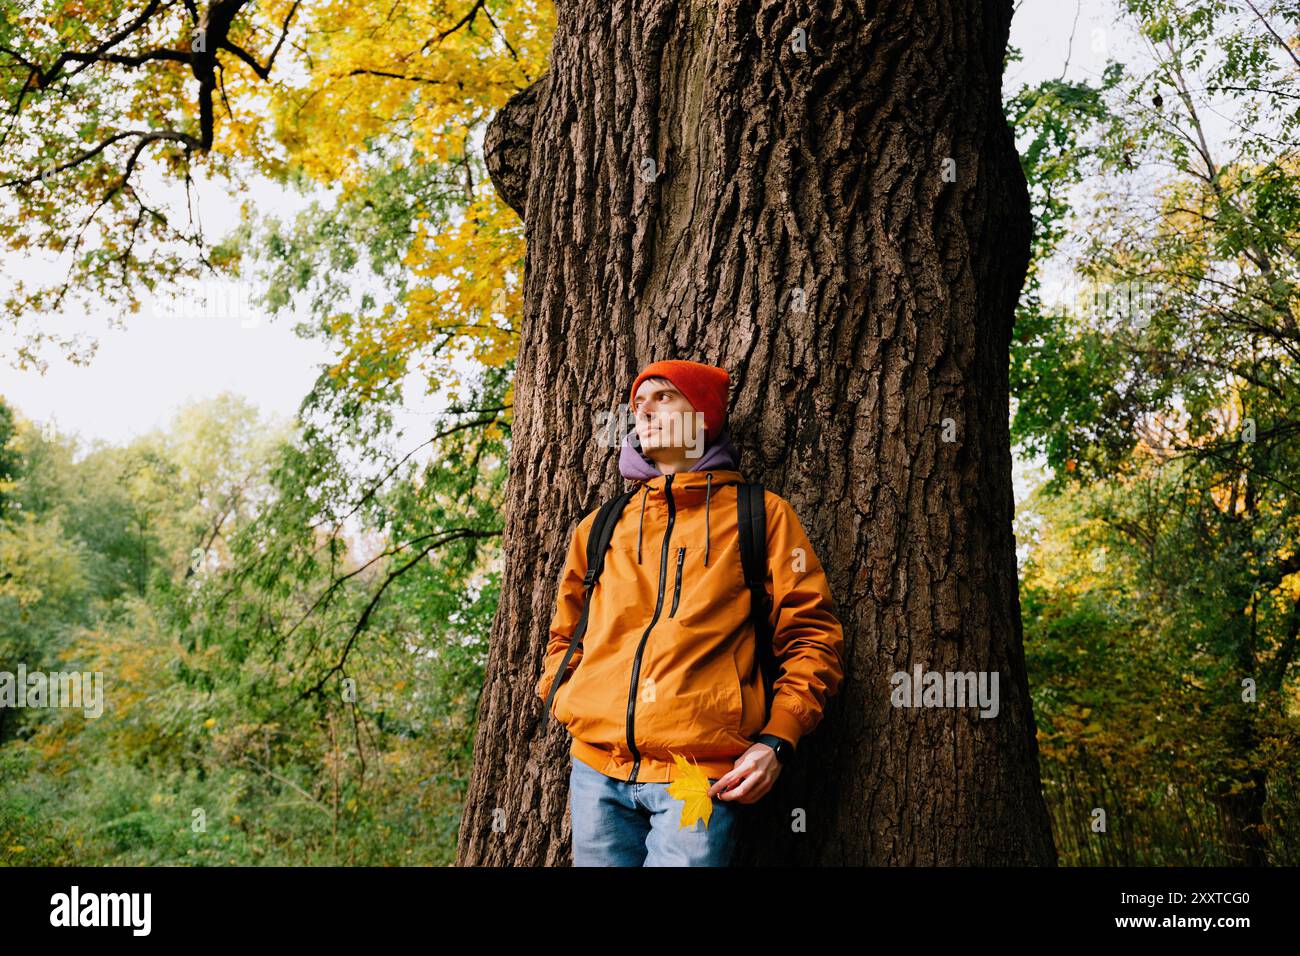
705,387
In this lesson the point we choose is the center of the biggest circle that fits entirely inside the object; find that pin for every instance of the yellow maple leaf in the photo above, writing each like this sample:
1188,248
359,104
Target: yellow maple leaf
691,787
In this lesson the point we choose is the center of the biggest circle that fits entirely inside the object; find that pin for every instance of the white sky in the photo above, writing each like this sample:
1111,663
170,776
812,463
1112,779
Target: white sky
143,372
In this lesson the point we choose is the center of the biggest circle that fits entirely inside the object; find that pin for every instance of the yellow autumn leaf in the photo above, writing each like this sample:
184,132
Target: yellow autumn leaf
691,787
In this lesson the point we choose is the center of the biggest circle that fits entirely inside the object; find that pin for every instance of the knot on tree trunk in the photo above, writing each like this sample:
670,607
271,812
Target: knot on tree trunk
507,143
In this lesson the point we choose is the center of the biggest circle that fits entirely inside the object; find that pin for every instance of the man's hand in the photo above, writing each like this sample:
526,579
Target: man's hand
752,776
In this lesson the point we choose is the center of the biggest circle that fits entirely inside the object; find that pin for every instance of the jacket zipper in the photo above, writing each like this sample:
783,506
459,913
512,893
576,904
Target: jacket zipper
677,588
636,661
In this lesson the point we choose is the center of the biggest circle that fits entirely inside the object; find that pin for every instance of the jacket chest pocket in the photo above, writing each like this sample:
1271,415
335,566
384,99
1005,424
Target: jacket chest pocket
677,585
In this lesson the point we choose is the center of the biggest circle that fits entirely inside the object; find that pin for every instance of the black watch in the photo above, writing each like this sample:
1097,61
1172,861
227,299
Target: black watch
784,749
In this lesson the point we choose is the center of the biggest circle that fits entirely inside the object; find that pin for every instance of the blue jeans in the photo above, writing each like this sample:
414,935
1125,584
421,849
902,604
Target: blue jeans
616,823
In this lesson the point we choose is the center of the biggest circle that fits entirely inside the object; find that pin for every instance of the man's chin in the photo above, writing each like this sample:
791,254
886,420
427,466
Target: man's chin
654,446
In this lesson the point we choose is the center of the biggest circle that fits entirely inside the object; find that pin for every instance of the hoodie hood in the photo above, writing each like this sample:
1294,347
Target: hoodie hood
634,465
717,466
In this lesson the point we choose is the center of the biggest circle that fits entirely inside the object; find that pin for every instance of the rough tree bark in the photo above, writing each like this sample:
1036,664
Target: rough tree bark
844,227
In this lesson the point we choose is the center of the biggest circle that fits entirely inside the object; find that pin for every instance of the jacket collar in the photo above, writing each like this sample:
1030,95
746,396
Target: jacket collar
691,481
688,487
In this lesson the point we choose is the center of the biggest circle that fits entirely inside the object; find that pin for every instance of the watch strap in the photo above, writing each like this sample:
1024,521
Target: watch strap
784,749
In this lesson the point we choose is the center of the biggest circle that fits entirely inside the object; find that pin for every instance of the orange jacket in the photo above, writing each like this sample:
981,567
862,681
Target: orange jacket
668,662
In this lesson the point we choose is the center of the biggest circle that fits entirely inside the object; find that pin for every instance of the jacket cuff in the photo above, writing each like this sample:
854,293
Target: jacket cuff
784,723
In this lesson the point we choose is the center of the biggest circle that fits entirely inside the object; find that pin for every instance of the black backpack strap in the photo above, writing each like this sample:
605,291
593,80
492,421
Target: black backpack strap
602,530
752,514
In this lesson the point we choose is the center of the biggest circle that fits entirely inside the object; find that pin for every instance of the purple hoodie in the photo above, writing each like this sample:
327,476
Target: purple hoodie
720,454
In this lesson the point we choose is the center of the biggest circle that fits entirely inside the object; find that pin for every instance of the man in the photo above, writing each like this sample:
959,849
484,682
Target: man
668,665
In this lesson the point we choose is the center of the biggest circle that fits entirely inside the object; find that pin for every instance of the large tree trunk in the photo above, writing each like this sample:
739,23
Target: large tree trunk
844,228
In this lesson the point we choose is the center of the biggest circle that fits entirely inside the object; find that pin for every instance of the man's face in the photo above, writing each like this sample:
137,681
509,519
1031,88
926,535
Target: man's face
665,419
